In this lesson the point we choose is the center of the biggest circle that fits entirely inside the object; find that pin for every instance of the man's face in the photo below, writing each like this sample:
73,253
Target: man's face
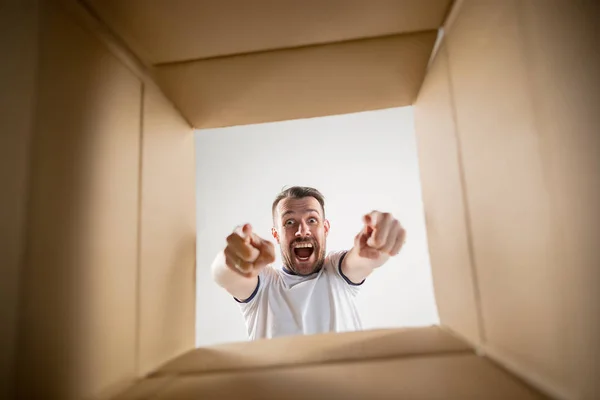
301,232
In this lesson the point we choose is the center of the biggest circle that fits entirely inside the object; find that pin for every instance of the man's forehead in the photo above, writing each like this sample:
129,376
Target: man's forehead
305,204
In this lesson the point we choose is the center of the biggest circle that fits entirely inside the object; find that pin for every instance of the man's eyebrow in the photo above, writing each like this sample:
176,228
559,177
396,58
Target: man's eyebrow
293,212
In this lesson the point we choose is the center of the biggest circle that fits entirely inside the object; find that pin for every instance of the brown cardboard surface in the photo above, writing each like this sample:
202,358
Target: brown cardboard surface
521,283
440,165
146,388
511,219
316,349
524,79
411,363
167,30
459,376
561,42
168,240
18,46
300,83
89,20
96,301
77,333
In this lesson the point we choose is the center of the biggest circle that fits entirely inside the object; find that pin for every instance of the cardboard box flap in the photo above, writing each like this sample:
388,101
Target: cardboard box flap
316,81
435,376
316,349
164,31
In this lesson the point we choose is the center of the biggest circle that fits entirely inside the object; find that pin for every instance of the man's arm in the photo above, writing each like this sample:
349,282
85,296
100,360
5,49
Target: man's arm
381,238
239,286
236,268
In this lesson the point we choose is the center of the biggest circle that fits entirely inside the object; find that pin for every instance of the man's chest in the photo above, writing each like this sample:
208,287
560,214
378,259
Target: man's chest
304,306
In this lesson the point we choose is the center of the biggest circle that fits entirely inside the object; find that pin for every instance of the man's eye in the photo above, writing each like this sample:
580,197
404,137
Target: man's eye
312,220
289,222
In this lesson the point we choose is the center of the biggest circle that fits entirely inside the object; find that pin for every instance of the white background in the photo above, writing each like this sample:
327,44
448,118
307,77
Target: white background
360,162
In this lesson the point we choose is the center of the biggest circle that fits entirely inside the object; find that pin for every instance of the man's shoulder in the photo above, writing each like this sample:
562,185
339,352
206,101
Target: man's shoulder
335,257
334,266
270,271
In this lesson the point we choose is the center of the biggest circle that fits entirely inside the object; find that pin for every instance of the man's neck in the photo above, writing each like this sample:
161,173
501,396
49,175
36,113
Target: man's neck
291,272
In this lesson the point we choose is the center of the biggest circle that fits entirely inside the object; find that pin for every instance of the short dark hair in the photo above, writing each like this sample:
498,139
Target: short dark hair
299,192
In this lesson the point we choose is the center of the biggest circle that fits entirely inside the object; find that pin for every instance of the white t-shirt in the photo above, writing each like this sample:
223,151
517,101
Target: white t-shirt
287,304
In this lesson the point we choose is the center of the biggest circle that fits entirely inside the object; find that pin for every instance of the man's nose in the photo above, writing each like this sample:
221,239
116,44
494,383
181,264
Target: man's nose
303,230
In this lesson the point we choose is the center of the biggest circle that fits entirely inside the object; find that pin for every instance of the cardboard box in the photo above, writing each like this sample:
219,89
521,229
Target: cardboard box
99,102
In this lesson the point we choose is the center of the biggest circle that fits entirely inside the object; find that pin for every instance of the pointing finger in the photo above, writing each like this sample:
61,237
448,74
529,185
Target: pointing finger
381,230
244,231
370,219
247,231
241,247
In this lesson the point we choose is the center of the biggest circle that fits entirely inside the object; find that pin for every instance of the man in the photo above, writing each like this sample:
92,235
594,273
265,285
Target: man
314,292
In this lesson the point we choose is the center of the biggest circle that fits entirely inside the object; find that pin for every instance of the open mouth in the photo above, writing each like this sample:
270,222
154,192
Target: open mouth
303,251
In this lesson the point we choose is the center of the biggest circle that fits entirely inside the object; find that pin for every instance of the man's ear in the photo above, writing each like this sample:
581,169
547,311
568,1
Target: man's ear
327,226
275,234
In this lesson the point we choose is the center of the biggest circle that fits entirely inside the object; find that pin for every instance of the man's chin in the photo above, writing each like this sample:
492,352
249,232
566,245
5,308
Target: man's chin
304,268
307,267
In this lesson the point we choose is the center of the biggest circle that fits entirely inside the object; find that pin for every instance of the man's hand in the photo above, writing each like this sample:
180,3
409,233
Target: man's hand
382,236
246,253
